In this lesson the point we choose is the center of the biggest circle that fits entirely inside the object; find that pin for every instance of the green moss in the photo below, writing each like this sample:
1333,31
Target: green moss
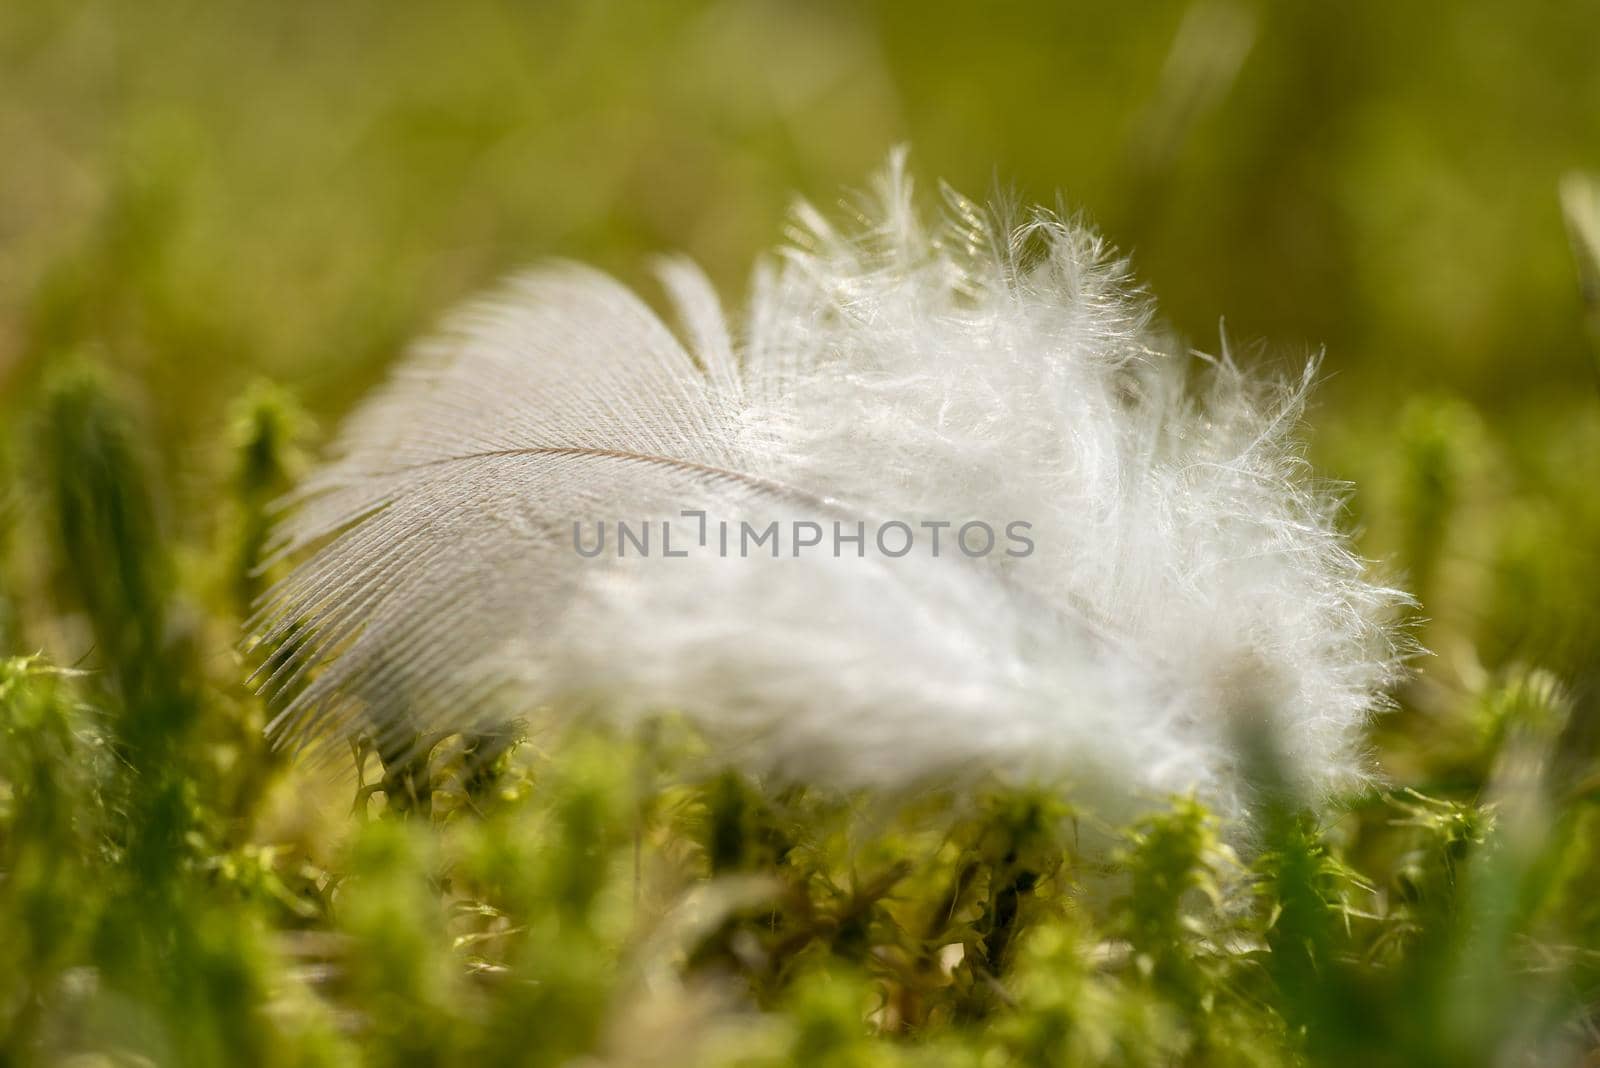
214,213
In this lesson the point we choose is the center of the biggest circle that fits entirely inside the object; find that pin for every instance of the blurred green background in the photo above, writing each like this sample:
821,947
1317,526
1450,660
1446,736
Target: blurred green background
196,198
210,190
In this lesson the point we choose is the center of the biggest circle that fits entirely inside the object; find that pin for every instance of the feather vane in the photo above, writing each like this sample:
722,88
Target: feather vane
1187,583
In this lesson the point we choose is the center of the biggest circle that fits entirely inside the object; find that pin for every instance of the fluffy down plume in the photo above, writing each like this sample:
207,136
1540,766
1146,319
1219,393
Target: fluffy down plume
1186,604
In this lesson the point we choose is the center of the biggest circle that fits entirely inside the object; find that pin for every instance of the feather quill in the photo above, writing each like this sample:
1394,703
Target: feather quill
1188,584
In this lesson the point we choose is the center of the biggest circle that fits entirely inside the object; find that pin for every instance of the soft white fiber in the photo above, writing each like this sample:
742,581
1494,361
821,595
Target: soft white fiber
1188,604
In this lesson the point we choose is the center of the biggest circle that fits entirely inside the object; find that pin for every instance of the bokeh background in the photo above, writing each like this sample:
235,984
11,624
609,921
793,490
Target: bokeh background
211,191
216,216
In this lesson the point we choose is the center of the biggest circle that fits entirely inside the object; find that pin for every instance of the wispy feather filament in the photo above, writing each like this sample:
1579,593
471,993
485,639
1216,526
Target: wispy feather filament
1183,571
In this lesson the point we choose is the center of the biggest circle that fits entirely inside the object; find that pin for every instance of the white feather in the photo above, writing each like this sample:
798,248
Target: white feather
1188,588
